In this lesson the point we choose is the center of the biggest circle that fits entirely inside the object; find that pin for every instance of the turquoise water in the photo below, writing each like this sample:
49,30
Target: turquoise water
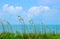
29,28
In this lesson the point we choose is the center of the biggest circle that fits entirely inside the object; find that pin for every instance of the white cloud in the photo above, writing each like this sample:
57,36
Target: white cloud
1,14
31,12
18,8
12,9
36,10
5,7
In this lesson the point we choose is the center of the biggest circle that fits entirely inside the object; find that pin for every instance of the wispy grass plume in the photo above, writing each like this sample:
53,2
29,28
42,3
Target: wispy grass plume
2,26
9,25
22,23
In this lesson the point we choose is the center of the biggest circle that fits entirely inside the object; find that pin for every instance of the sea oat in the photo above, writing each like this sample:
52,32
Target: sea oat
2,26
32,24
22,22
9,25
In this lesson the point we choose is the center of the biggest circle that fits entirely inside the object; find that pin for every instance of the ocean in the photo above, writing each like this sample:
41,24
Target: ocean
31,28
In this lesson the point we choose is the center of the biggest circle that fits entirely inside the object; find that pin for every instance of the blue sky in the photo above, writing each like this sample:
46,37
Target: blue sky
46,10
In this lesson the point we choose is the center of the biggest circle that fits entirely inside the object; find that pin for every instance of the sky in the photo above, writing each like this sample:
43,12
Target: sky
47,11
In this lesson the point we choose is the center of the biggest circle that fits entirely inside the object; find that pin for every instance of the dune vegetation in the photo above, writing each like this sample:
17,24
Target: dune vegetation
32,35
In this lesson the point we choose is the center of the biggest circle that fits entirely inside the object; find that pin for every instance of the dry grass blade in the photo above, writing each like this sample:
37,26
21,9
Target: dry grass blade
2,26
42,24
9,25
48,29
32,24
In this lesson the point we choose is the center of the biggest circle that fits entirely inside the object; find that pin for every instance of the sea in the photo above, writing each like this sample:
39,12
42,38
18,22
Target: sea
31,28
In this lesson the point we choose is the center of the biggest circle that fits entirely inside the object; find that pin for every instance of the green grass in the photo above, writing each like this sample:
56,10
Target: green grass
8,35
24,35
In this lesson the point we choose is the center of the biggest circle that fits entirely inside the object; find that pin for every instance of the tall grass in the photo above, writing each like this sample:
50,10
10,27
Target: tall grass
22,22
2,26
24,30
32,24
9,26
31,35
42,25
